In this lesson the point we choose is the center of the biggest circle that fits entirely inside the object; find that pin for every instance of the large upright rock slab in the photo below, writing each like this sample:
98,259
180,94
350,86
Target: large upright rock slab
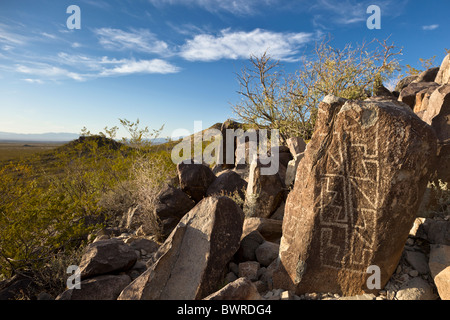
437,113
440,269
190,263
409,93
363,176
443,76
226,158
264,192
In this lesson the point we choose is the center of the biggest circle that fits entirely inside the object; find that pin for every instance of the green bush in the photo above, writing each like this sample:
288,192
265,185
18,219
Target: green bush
51,202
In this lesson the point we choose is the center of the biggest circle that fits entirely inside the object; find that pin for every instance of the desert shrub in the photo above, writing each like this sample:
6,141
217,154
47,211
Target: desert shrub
288,102
49,204
437,200
424,63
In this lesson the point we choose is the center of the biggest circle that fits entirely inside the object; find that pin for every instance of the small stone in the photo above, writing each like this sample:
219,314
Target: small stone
233,267
249,270
413,273
312,296
286,295
404,277
410,242
230,277
261,286
261,271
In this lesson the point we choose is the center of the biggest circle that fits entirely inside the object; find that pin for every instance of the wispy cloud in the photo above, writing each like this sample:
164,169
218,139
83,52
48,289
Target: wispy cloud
38,81
240,45
142,66
430,27
141,40
348,12
82,68
9,37
47,71
237,7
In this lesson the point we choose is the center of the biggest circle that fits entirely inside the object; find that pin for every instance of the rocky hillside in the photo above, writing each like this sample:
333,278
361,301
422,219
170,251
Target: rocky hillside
360,212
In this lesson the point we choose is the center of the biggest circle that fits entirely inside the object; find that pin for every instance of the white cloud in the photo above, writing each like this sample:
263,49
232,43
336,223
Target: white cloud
240,45
430,27
38,81
11,38
141,40
50,72
48,35
142,66
105,66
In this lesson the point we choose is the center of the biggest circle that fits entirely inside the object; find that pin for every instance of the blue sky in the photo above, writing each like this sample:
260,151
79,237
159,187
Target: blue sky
173,62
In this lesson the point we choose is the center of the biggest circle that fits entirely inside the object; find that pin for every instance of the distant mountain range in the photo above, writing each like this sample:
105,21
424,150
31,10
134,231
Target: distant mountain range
41,137
50,137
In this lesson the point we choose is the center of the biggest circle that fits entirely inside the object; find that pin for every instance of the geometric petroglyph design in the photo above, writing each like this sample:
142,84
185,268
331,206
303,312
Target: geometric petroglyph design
349,199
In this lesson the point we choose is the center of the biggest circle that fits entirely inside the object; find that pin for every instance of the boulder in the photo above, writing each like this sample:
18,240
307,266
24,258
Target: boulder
437,113
140,244
106,256
437,231
418,261
291,170
428,75
266,253
16,287
240,289
439,264
195,179
190,263
403,83
363,176
443,76
264,192
296,145
408,94
228,183
418,230
270,229
106,287
170,206
381,91
249,244
416,289
422,100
